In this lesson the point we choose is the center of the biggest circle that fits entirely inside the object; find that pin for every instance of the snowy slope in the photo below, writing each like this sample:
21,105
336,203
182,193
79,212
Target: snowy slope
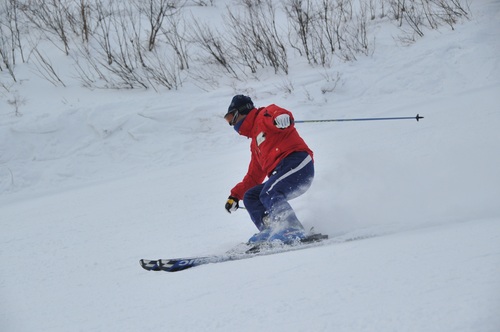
92,181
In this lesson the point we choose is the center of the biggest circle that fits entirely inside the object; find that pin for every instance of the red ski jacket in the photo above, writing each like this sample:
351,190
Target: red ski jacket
269,145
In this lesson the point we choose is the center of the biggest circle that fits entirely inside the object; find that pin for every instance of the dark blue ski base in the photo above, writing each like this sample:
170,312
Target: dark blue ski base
179,264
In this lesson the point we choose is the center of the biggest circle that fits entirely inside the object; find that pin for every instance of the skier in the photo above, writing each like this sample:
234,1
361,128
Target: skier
279,153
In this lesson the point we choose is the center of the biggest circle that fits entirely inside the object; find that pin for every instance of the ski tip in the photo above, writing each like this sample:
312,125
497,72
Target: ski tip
150,265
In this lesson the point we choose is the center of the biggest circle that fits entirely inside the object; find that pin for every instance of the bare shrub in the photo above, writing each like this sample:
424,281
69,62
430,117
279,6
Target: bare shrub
255,38
16,101
10,30
51,17
150,44
175,34
301,15
6,55
213,44
329,27
428,14
252,40
155,12
45,69
116,56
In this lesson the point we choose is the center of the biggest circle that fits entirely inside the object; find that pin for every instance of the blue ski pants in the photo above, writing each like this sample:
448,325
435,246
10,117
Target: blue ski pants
268,202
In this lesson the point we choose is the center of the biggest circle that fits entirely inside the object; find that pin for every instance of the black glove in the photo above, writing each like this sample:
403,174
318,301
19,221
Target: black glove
232,204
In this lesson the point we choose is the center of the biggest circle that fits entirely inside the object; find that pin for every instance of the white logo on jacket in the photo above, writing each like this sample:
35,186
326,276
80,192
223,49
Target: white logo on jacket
260,138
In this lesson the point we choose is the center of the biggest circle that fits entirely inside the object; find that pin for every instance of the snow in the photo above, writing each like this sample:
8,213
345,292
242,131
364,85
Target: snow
93,180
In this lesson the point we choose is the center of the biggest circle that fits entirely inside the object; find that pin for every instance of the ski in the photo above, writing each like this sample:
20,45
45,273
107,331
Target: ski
248,251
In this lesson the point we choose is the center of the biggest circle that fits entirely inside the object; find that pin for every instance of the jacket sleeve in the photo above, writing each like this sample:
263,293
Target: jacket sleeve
274,111
255,176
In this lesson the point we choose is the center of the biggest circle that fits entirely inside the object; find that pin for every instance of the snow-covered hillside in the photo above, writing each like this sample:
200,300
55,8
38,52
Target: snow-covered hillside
93,180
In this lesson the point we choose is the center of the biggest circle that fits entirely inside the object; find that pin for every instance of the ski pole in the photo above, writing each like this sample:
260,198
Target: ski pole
418,117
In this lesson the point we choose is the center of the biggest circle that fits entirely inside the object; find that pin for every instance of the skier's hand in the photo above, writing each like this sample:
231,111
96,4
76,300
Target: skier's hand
282,121
232,204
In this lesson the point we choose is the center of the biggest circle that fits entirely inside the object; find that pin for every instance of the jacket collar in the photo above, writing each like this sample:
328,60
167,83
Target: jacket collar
244,128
